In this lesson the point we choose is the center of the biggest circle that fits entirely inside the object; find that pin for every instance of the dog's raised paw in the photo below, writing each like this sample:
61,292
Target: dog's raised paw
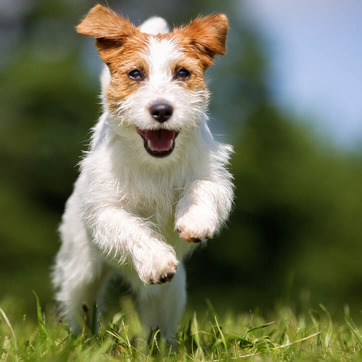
196,226
165,278
196,240
159,269
190,238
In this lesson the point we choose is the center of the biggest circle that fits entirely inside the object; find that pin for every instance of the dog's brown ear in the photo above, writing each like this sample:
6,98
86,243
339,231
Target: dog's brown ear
108,28
208,35
102,22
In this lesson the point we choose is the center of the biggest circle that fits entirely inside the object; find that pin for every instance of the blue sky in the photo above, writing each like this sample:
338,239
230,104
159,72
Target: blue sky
315,49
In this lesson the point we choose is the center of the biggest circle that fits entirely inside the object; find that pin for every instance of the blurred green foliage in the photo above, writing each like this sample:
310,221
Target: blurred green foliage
295,231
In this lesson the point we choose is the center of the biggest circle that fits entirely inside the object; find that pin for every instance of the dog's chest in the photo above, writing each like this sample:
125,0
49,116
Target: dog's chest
154,199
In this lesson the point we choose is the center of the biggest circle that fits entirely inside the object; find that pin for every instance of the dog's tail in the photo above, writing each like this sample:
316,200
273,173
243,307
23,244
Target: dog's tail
153,26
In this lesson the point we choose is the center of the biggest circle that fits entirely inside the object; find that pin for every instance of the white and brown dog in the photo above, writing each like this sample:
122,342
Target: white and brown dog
154,181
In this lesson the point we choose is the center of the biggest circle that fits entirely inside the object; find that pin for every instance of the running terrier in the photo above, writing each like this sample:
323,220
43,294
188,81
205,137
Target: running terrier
154,181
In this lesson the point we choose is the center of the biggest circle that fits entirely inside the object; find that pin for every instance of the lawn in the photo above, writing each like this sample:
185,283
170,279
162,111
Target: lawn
284,335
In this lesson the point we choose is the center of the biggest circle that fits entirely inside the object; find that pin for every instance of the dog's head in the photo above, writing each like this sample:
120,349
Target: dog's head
156,88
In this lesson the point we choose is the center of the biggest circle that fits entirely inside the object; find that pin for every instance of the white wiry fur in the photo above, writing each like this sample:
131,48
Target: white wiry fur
127,206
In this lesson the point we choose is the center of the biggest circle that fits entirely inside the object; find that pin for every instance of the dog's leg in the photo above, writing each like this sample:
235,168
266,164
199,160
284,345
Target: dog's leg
79,282
204,207
79,271
161,306
122,236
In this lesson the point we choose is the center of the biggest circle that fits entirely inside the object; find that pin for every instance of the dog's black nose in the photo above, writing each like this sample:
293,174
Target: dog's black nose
161,112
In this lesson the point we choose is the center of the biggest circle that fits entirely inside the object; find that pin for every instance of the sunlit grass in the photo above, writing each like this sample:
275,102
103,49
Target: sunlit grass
285,335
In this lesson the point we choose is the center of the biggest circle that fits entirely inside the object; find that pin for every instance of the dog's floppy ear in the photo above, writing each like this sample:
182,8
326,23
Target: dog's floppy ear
208,35
108,28
102,22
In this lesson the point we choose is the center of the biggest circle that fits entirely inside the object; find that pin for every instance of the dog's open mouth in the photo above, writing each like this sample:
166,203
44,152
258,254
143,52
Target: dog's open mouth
158,143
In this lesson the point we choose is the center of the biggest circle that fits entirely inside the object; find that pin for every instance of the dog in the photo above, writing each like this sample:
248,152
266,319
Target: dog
154,182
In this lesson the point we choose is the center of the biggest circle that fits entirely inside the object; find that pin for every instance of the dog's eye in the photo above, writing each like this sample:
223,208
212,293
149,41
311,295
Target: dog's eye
182,74
135,74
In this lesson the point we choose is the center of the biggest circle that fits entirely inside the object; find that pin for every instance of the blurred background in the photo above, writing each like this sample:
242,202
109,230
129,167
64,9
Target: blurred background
288,96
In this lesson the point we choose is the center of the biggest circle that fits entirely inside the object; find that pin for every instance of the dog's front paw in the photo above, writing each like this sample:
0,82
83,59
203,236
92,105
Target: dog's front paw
194,227
159,268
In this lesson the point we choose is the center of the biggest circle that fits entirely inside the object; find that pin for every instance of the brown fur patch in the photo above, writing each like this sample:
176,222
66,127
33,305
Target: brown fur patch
120,62
102,22
119,44
204,38
192,64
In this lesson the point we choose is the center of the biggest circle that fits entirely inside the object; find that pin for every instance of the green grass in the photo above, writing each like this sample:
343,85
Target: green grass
283,336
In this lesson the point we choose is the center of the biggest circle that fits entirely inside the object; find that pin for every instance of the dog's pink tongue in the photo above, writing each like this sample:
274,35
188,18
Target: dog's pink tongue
160,140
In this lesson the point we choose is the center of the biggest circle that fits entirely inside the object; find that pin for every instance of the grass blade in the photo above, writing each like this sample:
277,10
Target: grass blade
10,327
259,327
355,332
298,340
42,330
330,326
